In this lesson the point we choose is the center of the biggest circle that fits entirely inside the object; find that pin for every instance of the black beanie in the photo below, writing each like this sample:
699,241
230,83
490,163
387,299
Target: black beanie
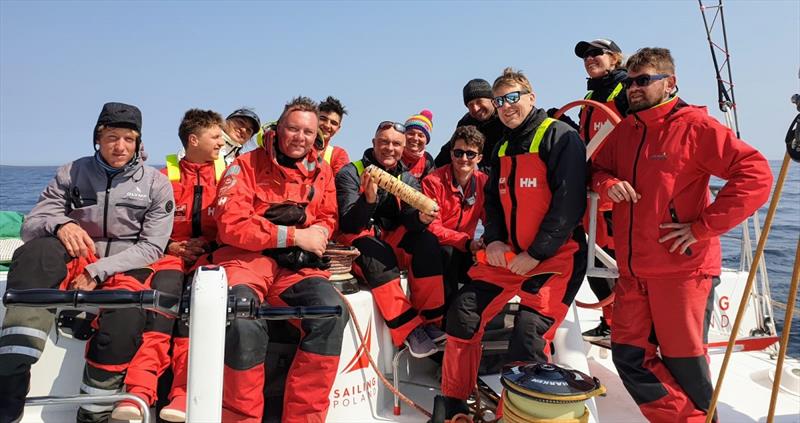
477,88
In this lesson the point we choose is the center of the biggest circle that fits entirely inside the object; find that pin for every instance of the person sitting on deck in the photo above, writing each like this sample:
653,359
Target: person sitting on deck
458,190
331,113
481,113
418,134
655,168
99,224
390,234
193,235
275,211
535,200
239,127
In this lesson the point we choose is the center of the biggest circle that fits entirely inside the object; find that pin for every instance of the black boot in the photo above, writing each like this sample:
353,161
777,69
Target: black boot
13,390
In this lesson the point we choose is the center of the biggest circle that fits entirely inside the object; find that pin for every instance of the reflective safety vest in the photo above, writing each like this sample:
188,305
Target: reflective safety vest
523,189
590,121
174,169
328,153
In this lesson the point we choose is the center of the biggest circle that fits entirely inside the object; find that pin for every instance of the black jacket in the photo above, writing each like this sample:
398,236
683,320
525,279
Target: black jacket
564,154
601,88
491,129
356,215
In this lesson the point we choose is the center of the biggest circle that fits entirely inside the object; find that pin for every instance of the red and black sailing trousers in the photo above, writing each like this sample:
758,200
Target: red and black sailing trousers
118,333
669,316
312,373
545,296
379,265
153,356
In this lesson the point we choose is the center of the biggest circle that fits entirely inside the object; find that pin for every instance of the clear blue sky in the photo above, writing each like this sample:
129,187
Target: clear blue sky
60,61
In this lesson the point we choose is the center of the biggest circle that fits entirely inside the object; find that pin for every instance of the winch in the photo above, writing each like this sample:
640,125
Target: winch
545,392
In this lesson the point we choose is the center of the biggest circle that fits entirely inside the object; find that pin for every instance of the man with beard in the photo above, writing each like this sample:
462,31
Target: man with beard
655,168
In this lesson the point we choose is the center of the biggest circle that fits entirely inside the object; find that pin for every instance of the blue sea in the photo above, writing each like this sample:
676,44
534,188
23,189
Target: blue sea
20,187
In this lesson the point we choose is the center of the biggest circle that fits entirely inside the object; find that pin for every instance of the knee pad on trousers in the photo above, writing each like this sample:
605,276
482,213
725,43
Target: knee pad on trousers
641,383
322,336
464,315
169,282
425,253
39,263
245,340
377,261
527,339
118,337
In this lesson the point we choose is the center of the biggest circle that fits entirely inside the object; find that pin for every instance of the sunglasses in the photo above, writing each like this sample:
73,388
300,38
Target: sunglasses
459,153
399,127
594,52
511,98
643,80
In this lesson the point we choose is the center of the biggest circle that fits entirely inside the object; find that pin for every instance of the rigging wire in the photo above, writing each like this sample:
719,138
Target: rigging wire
726,97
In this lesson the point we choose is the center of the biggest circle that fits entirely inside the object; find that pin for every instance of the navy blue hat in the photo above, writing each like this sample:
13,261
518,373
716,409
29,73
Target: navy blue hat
605,44
247,114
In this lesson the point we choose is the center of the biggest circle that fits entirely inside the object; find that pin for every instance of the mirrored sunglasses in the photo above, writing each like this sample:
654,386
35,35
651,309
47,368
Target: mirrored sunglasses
511,98
399,127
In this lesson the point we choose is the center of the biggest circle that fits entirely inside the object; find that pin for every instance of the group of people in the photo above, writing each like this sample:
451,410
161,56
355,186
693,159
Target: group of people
266,216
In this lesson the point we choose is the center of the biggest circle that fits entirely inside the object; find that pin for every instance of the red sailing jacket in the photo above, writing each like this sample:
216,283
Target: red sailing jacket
255,183
668,153
335,156
194,193
459,211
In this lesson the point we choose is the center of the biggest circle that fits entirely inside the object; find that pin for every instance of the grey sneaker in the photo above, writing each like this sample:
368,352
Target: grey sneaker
419,343
435,333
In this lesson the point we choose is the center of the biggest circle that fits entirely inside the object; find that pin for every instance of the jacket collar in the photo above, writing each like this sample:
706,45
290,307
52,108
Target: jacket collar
469,195
661,111
307,165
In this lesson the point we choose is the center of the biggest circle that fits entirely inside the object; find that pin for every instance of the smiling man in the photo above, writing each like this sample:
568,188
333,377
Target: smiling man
655,167
390,234
536,248
331,113
98,224
239,127
477,94
194,181
458,190
275,211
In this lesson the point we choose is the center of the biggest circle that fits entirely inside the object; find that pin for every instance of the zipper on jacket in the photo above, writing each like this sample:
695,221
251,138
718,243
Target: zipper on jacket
109,179
633,184
197,206
511,183
673,214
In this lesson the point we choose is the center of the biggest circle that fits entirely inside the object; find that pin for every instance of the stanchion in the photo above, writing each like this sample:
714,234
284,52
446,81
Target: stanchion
762,241
787,326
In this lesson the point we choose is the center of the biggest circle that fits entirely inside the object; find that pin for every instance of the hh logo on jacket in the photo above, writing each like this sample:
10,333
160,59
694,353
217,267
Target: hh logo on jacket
528,183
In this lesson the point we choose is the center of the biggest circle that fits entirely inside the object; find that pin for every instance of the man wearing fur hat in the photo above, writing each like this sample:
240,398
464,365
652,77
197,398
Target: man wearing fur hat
98,224
418,135
481,114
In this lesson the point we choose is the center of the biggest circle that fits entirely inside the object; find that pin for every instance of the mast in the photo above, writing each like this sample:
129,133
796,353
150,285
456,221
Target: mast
714,30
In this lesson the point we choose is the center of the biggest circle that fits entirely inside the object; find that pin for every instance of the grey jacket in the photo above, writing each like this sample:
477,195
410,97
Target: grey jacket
128,215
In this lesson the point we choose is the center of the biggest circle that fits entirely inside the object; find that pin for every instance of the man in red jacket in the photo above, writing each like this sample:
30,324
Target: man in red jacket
275,210
655,167
194,233
457,188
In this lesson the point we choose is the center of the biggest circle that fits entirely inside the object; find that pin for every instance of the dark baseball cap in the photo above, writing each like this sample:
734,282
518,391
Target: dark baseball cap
120,115
247,114
601,43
